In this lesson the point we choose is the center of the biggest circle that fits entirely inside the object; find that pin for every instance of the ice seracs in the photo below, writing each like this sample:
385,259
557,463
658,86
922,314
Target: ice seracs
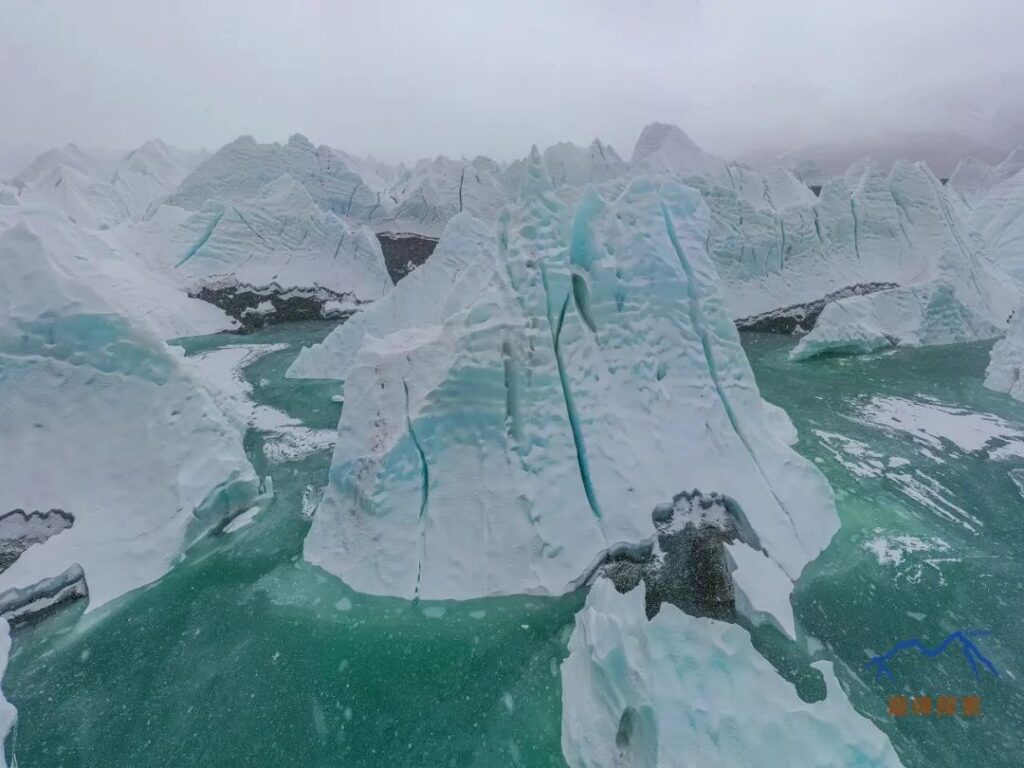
459,265
275,242
241,169
678,690
992,203
106,423
579,372
949,290
1005,371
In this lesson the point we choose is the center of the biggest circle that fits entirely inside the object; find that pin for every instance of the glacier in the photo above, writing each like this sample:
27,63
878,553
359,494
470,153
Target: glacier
239,170
561,383
275,244
956,292
1006,360
110,425
679,690
991,201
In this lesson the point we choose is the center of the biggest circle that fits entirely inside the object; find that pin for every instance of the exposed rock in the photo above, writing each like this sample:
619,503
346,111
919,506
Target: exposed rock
800,318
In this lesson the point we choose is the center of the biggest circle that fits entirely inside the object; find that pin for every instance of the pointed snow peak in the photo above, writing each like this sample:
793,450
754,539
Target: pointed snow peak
658,135
298,141
1013,163
536,181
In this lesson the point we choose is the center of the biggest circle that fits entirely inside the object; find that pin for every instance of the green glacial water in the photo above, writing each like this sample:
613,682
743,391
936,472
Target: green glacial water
245,655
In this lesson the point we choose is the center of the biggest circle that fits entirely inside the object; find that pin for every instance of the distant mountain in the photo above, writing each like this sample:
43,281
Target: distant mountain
940,150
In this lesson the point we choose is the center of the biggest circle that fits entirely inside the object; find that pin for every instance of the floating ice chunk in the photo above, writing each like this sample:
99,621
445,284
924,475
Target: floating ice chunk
685,691
762,588
241,521
454,276
161,463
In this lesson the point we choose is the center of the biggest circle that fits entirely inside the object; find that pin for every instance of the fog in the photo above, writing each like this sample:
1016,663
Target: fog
401,80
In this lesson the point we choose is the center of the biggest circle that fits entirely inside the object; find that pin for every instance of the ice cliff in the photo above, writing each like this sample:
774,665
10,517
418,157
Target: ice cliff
678,690
992,203
949,290
241,169
1006,363
565,376
105,422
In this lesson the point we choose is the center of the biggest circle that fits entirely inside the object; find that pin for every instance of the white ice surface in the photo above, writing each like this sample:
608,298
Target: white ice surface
762,587
456,271
950,291
1005,371
105,423
285,438
682,691
590,374
277,239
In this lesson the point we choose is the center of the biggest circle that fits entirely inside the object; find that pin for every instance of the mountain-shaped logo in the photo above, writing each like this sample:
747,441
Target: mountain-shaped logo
970,650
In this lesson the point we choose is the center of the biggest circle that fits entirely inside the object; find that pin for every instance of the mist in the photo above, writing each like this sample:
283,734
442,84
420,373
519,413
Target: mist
402,80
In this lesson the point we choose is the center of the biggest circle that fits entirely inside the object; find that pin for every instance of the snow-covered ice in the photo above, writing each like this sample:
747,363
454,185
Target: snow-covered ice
109,426
1006,361
684,691
590,375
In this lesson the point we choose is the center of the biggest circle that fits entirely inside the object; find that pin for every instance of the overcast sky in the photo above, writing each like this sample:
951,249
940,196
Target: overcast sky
403,80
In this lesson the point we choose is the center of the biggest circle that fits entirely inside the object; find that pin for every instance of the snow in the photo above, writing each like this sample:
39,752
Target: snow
241,169
579,373
109,426
132,287
277,238
762,588
1006,361
938,425
685,691
955,295
455,271
285,438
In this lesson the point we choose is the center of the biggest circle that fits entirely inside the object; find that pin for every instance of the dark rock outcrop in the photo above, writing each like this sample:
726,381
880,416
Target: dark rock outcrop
800,318
404,251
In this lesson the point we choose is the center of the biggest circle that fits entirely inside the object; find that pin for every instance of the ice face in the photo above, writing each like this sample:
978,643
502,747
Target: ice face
239,170
439,189
498,444
99,192
1007,360
684,691
130,285
455,274
278,238
955,295
568,164
109,425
